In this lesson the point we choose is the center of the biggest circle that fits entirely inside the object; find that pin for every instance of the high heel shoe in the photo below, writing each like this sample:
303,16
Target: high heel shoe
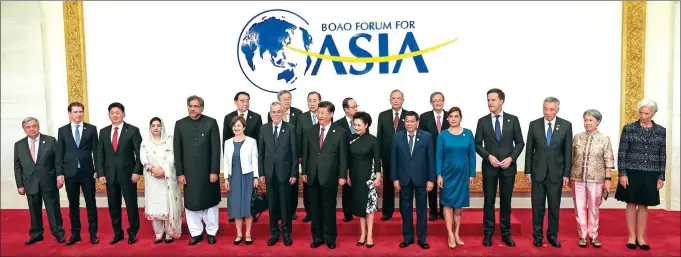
247,241
238,240
644,247
158,240
361,243
369,245
450,244
632,246
169,240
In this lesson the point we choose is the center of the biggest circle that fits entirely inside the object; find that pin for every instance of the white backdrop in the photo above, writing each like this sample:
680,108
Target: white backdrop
151,56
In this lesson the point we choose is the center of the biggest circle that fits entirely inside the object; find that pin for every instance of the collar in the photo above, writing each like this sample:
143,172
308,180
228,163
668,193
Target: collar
501,116
439,114
37,139
326,128
73,125
120,126
238,112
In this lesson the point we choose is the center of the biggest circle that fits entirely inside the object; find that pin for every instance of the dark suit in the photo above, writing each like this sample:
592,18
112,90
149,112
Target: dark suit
385,133
413,171
429,123
118,166
324,167
69,156
347,190
548,164
39,180
294,116
304,123
278,161
510,145
253,124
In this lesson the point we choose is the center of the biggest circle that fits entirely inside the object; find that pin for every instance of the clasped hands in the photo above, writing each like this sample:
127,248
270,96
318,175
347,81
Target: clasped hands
500,164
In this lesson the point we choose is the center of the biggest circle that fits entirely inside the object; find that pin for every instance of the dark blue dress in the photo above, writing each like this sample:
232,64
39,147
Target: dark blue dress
241,187
455,162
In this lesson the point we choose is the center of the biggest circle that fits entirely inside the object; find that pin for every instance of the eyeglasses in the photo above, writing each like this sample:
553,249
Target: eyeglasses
353,107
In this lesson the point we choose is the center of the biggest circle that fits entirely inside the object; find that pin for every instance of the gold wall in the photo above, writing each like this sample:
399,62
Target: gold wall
633,64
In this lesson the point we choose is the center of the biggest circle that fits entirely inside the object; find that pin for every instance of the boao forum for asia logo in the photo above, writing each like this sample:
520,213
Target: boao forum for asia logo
276,49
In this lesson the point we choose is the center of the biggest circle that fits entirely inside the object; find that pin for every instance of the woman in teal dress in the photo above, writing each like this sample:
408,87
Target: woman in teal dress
455,169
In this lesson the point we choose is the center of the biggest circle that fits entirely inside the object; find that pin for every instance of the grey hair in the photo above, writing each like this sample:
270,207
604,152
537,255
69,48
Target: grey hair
552,99
195,97
275,103
282,92
29,119
436,93
647,103
593,113
396,91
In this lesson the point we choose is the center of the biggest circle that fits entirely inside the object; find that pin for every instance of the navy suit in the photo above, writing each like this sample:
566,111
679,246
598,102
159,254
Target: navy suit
413,171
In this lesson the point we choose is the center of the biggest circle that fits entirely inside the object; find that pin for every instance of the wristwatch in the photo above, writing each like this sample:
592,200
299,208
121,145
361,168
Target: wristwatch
608,178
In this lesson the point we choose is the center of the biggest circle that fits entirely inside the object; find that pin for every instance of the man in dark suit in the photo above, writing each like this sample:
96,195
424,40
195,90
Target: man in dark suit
433,122
253,123
37,178
324,168
253,120
548,159
76,146
499,141
119,168
307,121
350,108
289,115
278,157
413,171
389,122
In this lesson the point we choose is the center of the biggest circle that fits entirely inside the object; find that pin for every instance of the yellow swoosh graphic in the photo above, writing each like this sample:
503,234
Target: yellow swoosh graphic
371,59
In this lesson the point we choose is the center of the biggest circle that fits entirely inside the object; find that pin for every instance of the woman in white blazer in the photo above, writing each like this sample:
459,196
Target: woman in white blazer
241,169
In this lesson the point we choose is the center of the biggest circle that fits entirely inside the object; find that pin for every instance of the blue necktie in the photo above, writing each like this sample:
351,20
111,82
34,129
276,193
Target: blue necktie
78,141
276,135
314,119
549,133
411,144
497,129
352,128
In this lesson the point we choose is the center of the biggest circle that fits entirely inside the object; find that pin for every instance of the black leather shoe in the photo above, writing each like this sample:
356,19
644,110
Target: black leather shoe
432,217
94,240
370,245
554,242
361,243
158,240
169,240
294,217
384,218
316,244
631,246
347,219
287,240
115,240
405,244
537,242
74,239
248,240
231,220
33,240
272,241
487,241
132,239
211,240
307,219
331,245
424,245
195,240
644,247
238,240
508,241
60,239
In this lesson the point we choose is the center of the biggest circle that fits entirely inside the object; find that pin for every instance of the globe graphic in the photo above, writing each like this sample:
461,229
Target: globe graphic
263,57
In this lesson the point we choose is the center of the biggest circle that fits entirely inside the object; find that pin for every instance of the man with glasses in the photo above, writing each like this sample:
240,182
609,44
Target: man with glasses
435,121
307,120
350,108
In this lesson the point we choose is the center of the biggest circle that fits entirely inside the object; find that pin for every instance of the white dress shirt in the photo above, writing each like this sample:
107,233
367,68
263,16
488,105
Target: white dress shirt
37,145
326,130
546,126
413,143
350,124
80,130
276,128
113,129
238,113
501,121
314,118
287,115
399,113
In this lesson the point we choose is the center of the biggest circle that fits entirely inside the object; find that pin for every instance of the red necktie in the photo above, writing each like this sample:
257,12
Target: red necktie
321,138
396,121
114,141
439,124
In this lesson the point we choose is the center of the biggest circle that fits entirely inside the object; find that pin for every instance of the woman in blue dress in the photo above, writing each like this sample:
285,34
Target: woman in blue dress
455,168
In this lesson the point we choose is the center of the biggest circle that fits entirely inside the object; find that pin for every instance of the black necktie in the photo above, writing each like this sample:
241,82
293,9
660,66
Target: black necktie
276,135
497,129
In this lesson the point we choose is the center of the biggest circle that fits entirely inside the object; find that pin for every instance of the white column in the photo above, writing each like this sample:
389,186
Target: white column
23,85
673,180
659,75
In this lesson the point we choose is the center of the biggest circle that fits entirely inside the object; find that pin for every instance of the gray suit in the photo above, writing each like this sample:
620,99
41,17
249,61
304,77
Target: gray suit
39,180
278,161
548,164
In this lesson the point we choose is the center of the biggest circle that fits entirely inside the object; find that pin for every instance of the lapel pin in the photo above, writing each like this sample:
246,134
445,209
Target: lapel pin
417,140
508,120
402,119
201,134
43,142
293,114
282,131
250,117
333,130
557,125
84,128
557,128
464,135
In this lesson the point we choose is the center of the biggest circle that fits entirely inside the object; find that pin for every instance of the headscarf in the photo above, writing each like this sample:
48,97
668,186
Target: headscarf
164,135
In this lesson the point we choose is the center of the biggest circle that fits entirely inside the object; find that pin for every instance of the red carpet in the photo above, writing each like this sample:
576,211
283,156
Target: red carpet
664,237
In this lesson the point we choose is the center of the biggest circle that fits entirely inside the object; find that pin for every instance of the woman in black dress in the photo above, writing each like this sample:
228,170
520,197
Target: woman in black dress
364,175
641,160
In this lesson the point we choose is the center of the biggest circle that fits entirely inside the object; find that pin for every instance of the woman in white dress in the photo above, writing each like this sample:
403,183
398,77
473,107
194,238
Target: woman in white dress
162,199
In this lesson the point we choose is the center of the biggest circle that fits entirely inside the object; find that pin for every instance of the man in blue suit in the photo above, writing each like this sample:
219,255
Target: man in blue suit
413,171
